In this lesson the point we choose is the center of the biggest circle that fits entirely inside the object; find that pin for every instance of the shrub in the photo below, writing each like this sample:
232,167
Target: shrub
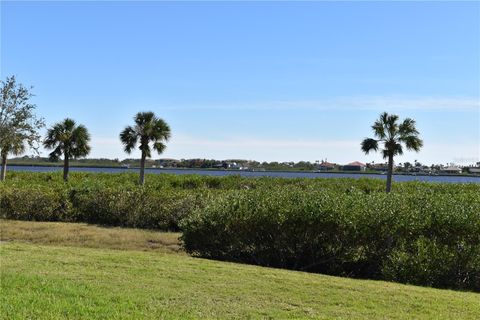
139,207
114,200
429,262
37,203
426,239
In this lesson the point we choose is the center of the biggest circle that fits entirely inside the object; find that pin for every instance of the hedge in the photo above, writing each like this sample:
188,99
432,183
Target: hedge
430,239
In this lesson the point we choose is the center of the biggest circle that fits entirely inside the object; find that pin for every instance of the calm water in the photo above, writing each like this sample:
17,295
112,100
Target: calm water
283,174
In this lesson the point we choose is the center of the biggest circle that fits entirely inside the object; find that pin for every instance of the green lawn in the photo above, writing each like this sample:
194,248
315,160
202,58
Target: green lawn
55,281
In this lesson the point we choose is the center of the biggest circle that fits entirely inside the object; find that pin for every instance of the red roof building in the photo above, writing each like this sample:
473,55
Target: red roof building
354,166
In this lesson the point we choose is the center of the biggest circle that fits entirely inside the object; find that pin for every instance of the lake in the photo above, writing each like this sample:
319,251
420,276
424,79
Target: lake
282,174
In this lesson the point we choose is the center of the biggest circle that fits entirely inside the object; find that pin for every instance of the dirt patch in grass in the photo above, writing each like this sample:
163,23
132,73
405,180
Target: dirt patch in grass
90,236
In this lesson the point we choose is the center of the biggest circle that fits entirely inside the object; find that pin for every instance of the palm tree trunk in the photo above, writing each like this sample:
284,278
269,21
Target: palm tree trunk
142,169
389,173
3,174
66,164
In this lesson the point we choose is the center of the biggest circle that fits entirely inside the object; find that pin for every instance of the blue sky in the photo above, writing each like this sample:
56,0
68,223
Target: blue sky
268,81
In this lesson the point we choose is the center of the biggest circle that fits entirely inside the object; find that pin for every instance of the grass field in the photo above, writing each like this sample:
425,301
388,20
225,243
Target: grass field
77,271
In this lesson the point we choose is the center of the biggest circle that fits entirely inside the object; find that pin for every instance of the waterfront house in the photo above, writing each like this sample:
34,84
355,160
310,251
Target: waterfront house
378,166
168,162
354,166
324,166
474,170
451,170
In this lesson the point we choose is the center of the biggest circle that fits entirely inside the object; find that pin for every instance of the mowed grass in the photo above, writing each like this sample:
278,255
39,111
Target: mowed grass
60,278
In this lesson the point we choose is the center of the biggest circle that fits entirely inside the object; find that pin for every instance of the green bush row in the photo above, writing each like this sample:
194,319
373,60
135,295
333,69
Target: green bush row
422,238
139,207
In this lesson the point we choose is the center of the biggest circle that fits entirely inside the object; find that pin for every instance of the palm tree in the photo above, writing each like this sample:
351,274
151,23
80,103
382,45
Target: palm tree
148,128
69,139
392,134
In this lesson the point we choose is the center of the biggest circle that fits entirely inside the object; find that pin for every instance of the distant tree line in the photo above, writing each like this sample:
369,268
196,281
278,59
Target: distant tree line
170,163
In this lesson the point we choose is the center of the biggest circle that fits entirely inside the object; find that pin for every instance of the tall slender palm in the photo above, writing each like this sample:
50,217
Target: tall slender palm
148,128
69,139
388,131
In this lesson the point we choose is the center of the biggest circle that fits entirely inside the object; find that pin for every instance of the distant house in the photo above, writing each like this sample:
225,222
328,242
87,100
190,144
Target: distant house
378,166
234,165
288,164
168,162
475,170
324,166
451,169
354,166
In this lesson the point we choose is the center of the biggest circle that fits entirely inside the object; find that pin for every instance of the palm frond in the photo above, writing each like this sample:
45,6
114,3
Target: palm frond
129,138
413,142
80,142
397,149
379,129
385,153
141,118
407,127
391,125
55,154
54,136
391,147
159,147
144,146
161,130
369,144
68,124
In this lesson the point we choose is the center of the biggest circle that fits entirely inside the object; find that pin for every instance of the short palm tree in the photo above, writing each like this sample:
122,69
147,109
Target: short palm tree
147,129
68,139
392,134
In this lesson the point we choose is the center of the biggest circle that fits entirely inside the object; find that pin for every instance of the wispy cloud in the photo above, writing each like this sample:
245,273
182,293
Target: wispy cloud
375,103
258,148
252,142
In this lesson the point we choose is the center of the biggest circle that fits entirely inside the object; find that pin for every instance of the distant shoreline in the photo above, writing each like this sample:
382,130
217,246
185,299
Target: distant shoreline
236,170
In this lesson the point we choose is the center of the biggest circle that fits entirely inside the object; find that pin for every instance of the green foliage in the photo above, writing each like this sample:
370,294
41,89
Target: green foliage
18,123
68,139
139,207
420,233
431,262
36,203
109,199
